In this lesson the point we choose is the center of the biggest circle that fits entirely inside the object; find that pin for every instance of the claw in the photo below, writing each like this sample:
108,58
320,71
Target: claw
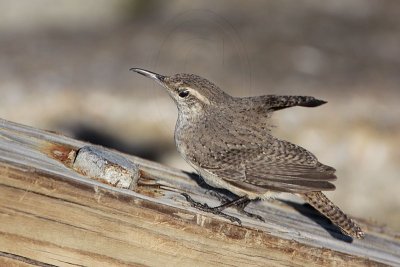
252,215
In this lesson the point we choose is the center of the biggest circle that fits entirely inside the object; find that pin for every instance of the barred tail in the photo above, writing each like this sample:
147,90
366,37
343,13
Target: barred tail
320,202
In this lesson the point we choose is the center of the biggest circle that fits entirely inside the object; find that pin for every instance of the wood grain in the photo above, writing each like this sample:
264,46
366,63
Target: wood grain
51,215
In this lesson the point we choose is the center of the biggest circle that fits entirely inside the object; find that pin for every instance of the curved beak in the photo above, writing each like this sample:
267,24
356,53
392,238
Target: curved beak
152,75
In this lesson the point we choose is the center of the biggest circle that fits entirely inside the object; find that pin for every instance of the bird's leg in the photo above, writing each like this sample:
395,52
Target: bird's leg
216,210
240,203
239,206
235,202
243,205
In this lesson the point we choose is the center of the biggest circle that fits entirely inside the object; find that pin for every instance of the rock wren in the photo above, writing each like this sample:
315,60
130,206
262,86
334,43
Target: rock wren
228,141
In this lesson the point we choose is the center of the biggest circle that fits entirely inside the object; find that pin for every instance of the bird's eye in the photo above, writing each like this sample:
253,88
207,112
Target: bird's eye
183,93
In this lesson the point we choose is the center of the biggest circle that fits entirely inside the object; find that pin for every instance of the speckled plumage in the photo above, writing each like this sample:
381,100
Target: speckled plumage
228,141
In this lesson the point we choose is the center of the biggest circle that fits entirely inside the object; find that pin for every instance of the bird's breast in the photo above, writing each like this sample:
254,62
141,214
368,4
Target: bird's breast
191,141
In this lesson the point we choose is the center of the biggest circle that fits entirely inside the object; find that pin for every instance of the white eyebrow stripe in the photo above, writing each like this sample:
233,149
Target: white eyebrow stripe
199,96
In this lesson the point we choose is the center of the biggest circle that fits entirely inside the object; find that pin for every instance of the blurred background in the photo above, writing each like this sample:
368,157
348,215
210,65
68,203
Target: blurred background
64,66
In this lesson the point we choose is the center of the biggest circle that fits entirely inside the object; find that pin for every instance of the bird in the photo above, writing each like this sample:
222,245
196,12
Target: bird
228,141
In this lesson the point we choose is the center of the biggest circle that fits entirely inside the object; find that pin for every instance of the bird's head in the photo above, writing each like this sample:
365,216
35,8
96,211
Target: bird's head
190,92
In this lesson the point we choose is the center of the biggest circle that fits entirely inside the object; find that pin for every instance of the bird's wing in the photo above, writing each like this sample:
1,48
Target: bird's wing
282,166
276,102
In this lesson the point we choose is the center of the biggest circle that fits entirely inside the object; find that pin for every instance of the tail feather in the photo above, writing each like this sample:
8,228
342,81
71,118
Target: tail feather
320,202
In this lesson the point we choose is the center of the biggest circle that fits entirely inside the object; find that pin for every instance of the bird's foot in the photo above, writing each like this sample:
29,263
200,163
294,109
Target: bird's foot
240,208
214,210
251,215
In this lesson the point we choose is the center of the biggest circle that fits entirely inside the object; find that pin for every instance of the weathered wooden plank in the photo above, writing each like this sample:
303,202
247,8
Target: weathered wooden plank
51,214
